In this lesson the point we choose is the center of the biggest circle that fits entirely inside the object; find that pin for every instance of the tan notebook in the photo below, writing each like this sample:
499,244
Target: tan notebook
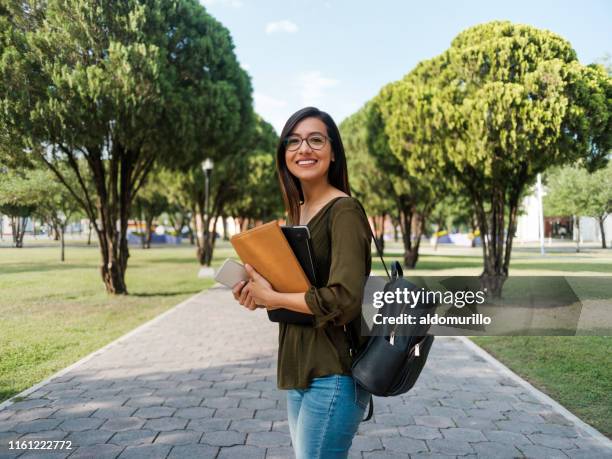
267,250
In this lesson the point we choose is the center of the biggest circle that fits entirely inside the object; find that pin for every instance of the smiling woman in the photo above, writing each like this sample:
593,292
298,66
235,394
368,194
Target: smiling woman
324,403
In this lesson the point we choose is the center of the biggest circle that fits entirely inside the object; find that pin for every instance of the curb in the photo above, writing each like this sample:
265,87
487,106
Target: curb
88,357
579,423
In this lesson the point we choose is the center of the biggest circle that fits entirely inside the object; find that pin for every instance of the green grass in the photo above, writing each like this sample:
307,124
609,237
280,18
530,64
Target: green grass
55,313
573,370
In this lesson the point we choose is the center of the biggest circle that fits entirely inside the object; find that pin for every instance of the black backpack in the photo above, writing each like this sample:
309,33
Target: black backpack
390,364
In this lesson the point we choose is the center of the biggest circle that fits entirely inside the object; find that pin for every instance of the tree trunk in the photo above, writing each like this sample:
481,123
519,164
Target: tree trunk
62,243
148,231
225,231
381,235
89,234
603,231
18,225
411,224
577,223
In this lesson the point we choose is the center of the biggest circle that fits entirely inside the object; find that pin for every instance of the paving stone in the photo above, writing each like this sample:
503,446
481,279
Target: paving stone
71,413
420,432
166,423
106,451
78,424
518,427
37,425
552,441
147,401
377,430
154,412
133,437
475,423
462,434
251,425
280,453
434,421
245,393
221,402
44,435
208,425
223,438
280,426
237,413
155,451
115,412
542,452
505,437
184,402
496,450
120,424
553,429
32,414
89,437
242,452
394,419
383,455
271,415
30,403
404,444
445,446
365,443
179,437
268,439
257,403
445,411
197,412
193,451
53,454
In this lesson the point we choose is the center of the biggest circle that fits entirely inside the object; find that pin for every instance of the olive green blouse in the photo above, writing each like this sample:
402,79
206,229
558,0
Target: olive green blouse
343,262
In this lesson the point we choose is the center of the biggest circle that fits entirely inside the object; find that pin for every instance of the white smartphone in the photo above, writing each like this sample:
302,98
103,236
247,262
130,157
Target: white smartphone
230,273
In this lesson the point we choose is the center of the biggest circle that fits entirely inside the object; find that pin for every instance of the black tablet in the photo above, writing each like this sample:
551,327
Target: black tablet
299,241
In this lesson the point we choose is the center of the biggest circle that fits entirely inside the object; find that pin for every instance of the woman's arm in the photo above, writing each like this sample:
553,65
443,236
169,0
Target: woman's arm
261,292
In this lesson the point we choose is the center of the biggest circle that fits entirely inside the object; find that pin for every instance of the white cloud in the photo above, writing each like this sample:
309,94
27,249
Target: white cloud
232,3
312,86
281,26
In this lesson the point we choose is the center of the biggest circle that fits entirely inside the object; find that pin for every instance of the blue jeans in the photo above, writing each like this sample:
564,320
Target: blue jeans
324,418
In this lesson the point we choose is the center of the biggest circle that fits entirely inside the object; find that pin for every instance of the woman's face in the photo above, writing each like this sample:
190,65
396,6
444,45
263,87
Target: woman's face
308,163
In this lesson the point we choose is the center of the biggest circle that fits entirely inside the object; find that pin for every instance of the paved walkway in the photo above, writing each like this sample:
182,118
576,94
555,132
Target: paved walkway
200,381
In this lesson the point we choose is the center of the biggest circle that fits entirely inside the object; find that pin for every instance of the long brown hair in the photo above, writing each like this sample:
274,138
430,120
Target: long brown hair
290,185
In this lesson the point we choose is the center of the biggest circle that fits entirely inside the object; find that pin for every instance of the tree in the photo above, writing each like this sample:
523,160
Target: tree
369,183
257,197
402,144
513,100
574,191
54,202
120,85
150,203
18,199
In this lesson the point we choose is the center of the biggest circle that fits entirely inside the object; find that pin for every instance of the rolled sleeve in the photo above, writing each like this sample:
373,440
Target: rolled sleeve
339,302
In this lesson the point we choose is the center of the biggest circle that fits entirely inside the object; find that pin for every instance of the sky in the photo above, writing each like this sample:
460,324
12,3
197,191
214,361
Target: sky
337,54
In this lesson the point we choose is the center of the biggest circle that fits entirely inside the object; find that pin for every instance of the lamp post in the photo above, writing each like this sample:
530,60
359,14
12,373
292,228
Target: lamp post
540,213
207,167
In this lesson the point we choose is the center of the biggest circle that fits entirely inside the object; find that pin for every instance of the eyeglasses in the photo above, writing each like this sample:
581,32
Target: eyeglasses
314,141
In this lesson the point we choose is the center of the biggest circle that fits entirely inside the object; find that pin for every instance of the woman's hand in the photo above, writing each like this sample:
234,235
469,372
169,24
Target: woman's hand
260,289
242,294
